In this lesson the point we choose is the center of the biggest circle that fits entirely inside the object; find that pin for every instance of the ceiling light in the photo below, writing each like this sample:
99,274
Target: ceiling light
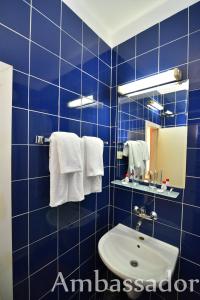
151,81
154,105
81,102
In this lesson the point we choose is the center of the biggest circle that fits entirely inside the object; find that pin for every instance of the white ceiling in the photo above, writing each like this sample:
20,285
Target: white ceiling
117,20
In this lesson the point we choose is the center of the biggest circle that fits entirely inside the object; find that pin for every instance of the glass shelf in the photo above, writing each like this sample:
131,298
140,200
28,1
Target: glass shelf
145,188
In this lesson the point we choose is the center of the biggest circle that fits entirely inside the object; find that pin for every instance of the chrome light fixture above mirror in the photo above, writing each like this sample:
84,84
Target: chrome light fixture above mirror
151,81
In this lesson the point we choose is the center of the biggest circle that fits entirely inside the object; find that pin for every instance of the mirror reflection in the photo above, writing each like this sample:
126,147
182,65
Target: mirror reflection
152,135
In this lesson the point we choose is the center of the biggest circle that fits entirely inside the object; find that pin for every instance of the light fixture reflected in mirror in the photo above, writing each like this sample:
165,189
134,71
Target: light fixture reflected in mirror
152,104
168,113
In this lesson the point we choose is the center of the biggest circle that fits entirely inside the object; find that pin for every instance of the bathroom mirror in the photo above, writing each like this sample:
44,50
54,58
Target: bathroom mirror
157,116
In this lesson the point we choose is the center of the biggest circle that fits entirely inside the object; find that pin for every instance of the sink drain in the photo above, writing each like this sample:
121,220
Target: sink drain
134,263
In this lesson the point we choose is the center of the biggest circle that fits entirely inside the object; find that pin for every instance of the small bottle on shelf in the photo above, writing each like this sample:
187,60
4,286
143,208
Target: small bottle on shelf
132,177
164,186
167,182
126,179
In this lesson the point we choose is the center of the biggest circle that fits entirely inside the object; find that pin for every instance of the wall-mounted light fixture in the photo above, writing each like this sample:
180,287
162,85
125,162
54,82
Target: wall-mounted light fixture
84,101
151,81
152,104
168,113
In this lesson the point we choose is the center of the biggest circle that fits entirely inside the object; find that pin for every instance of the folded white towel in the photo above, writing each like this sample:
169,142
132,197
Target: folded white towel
66,168
93,164
93,156
69,151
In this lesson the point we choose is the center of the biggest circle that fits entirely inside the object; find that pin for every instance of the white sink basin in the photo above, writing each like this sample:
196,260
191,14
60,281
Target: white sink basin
151,258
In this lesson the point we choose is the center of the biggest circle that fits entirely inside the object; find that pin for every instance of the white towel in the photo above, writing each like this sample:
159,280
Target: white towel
125,149
66,168
145,150
133,150
94,156
93,164
69,152
145,155
138,154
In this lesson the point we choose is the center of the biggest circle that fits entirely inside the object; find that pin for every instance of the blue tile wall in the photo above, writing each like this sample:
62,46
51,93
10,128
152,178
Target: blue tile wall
171,43
174,27
57,58
125,51
40,27
20,60
147,64
147,40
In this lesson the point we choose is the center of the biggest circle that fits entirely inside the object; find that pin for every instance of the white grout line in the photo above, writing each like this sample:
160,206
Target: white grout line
59,228
47,176
59,27
57,116
68,276
59,105
159,46
97,115
28,165
192,262
61,255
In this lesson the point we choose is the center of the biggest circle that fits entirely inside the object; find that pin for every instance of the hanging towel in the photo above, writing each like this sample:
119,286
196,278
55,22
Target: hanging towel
66,168
133,150
127,153
145,150
93,164
125,149
94,156
145,155
69,152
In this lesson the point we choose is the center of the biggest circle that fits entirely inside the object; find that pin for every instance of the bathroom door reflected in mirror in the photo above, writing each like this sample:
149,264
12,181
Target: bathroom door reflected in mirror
158,117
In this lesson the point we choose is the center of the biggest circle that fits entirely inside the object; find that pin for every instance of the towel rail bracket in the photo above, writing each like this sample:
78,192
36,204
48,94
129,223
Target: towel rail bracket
40,140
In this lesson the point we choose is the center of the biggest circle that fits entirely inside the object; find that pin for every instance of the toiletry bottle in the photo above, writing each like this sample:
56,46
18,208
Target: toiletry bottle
132,177
163,186
126,179
167,182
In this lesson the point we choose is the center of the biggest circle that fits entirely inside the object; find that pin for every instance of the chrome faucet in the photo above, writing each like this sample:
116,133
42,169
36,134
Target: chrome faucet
141,212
